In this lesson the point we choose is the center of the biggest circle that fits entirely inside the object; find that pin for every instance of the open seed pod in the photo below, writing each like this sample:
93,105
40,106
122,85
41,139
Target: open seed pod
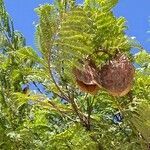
117,75
85,77
89,88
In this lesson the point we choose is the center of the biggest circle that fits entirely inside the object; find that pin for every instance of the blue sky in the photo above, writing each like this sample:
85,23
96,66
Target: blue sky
137,13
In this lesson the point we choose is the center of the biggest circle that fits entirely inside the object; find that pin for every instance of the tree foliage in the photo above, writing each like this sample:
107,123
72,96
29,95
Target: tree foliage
58,115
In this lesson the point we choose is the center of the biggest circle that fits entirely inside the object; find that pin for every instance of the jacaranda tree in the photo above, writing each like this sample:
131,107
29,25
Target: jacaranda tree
91,92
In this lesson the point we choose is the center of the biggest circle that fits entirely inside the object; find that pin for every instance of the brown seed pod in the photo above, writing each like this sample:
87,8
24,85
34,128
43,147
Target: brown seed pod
89,88
85,78
117,75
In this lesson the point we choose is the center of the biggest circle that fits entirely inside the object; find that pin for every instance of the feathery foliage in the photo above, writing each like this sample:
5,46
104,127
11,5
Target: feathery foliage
57,115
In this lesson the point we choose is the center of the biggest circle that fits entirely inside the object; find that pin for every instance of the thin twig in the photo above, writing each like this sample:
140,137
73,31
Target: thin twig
37,87
62,113
50,71
53,104
60,96
81,116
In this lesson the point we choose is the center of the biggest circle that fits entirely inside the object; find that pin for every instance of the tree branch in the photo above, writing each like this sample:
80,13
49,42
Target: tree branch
37,87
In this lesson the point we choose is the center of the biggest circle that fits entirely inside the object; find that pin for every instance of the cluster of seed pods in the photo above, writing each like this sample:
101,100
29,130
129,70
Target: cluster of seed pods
116,76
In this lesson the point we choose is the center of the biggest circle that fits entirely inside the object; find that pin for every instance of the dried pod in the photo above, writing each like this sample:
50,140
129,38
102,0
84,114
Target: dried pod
117,75
89,88
85,78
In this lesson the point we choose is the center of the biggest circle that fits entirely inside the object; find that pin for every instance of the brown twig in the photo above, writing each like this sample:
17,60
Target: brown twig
37,87
78,112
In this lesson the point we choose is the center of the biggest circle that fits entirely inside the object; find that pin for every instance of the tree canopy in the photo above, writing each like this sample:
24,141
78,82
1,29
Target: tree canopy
62,114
